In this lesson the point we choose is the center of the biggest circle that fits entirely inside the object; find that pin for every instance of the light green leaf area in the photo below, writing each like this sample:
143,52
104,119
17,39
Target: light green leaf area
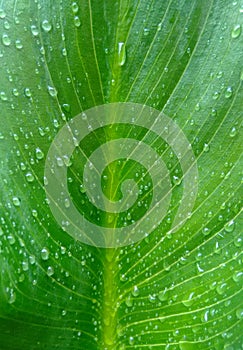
179,290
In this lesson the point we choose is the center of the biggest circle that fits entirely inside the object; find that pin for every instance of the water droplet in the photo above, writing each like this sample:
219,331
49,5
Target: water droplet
66,107
238,276
64,312
121,54
163,295
229,227
32,259
206,147
50,271
239,313
3,96
77,21
206,231
135,291
221,288
129,301
29,177
6,40
82,188
52,91
27,92
1,232
228,92
236,31
2,14
189,301
39,154
11,239
25,266
12,296
18,44
131,341
152,298
176,180
233,132
16,201
64,51
46,25
34,30
44,253
75,7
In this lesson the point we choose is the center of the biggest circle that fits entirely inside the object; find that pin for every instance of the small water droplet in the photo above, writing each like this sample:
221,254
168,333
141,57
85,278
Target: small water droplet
206,231
46,25
29,176
50,271
131,341
25,266
129,301
238,276
233,132
176,180
77,21
229,227
11,239
12,296
34,30
121,54
206,147
44,253
189,300
163,295
27,92
16,201
2,14
6,40
221,288
135,291
52,91
236,31
39,154
228,92
239,313
3,96
18,44
75,7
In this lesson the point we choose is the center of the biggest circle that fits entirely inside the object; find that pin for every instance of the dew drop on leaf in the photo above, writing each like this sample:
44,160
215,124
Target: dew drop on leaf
74,7
6,40
239,313
229,227
34,30
29,177
236,31
46,25
16,201
121,54
77,21
39,154
50,271
45,254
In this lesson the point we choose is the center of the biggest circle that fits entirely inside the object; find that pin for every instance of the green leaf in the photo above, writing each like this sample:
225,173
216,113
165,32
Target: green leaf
174,289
